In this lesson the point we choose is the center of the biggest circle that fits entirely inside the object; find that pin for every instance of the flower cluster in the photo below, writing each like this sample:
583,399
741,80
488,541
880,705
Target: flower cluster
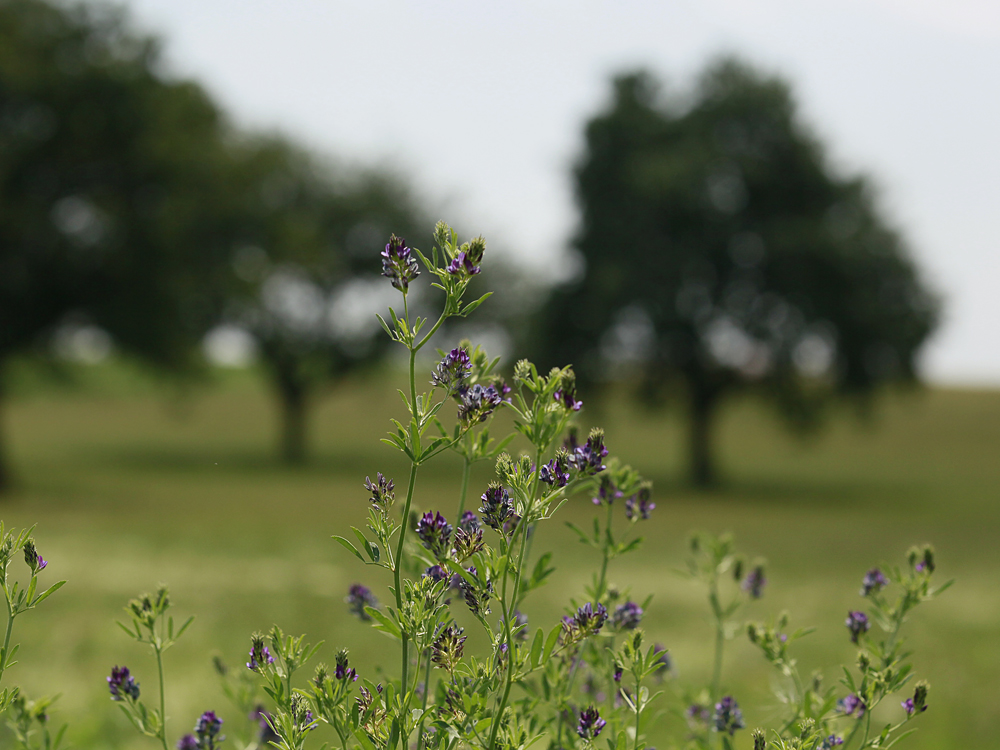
358,597
382,490
206,734
590,723
435,533
448,646
588,620
589,458
469,522
477,403
467,543
452,371
858,624
398,264
35,561
918,703
852,705
260,655
728,717
566,394
466,262
607,492
497,506
754,583
342,671
627,616
122,684
639,505
556,471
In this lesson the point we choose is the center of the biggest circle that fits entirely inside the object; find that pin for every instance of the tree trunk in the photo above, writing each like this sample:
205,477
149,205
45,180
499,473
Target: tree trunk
293,427
702,464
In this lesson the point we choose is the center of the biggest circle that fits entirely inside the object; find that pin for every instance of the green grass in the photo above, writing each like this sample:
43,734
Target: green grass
131,485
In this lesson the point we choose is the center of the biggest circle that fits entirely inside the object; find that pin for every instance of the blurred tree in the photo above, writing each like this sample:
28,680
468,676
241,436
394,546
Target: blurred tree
111,202
723,254
307,270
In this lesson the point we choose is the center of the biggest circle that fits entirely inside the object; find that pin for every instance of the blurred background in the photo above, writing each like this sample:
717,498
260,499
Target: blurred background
761,230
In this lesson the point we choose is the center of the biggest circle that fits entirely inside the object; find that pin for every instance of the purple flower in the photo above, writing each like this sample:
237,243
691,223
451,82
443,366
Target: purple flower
259,653
618,673
469,521
728,717
452,371
358,597
639,505
627,616
122,684
207,729
852,705
918,703
187,742
435,532
590,724
436,573
342,671
698,714
448,647
588,458
497,506
383,491
607,492
477,403
35,561
857,623
476,598
588,620
556,471
755,581
398,264
874,580
831,742
463,263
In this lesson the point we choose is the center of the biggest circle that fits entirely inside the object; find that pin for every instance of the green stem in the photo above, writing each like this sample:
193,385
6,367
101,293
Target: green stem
6,638
599,593
638,683
163,711
427,690
396,571
466,470
720,641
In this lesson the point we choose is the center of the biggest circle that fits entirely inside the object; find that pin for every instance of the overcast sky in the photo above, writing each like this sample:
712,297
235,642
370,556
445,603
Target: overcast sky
482,105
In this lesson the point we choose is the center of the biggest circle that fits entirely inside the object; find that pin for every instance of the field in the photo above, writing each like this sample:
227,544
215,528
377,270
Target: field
131,485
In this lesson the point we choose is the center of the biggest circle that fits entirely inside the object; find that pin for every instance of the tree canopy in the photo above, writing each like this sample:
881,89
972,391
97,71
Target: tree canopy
724,253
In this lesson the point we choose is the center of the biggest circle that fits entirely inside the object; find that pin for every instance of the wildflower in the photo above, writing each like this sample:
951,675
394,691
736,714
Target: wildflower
627,616
187,742
435,532
831,742
448,647
35,561
755,581
497,506
556,471
435,573
664,663
857,623
342,671
476,598
639,504
469,521
566,395
452,371
207,729
477,403
122,684
590,724
618,673
922,559
467,543
463,263
918,703
874,580
383,491
760,740
607,492
398,264
358,597
588,620
259,653
588,458
852,705
301,715
728,717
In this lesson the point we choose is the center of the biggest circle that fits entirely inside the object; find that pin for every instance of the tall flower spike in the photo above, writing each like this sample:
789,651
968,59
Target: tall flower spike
728,717
435,532
452,371
398,264
122,684
590,724
477,403
382,490
259,653
207,729
497,506
857,623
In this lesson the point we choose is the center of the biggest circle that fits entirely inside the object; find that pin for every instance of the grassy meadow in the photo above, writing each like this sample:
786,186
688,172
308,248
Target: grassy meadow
132,484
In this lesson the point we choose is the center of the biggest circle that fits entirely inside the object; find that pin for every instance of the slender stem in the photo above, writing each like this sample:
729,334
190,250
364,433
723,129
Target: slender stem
599,593
399,562
720,640
427,690
638,683
163,712
857,726
6,638
466,470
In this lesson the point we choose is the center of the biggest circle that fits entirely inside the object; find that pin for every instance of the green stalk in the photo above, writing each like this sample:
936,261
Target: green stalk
163,711
720,640
427,690
6,638
638,682
466,470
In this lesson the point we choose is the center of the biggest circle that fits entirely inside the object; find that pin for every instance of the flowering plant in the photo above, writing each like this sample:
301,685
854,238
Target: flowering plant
524,685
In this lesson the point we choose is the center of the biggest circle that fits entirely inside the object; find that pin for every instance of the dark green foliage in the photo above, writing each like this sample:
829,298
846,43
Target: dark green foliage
722,252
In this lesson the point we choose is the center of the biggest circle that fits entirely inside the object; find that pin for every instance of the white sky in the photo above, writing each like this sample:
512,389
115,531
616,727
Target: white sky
482,104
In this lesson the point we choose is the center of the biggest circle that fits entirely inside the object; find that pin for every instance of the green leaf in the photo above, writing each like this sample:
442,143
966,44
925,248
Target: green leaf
385,624
346,544
550,643
536,649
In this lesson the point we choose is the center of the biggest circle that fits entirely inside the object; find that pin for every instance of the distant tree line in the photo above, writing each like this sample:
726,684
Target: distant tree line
721,252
